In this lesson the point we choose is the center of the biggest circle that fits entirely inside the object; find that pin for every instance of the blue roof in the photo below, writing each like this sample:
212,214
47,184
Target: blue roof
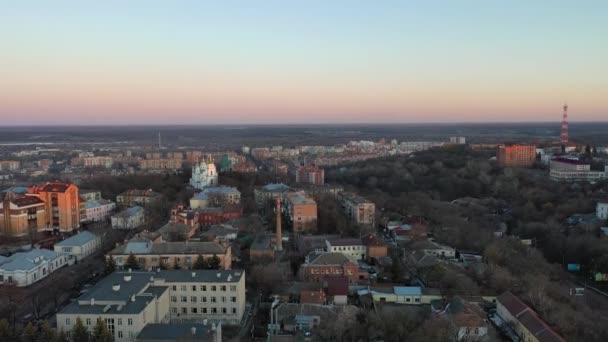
200,196
25,260
19,190
97,203
77,240
407,290
138,247
275,187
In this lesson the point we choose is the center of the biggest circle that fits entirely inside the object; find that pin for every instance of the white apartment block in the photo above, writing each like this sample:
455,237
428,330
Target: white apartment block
128,301
80,245
99,210
357,208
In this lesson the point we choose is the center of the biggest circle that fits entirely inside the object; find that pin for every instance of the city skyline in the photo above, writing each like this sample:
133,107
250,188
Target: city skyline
110,63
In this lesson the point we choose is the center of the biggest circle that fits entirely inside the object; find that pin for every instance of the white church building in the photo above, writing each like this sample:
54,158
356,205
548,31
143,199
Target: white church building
204,175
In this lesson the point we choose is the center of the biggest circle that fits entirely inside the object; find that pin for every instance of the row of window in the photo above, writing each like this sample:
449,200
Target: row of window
68,334
89,321
194,299
194,310
350,248
203,288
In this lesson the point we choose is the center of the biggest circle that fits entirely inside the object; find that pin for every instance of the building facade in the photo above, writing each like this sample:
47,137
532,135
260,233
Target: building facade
21,215
99,210
79,246
357,208
516,155
160,164
62,205
602,211
301,211
129,218
133,197
204,174
129,301
157,255
353,249
10,165
320,265
310,174
573,170
26,268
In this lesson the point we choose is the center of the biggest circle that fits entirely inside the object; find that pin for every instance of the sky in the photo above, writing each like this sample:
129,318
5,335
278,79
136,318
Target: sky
246,62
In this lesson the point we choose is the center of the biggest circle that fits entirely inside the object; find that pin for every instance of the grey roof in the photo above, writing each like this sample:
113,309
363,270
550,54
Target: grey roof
346,242
275,187
200,196
222,190
77,240
327,259
97,203
132,211
26,260
175,332
164,248
134,294
299,198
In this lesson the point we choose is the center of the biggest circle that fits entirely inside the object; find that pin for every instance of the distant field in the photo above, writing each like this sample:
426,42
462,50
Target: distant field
219,137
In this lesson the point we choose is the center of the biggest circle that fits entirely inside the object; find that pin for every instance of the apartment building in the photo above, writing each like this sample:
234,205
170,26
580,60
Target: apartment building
319,265
169,254
160,164
79,246
572,170
129,301
10,165
137,197
21,215
62,205
515,155
357,208
310,174
99,210
301,211
129,218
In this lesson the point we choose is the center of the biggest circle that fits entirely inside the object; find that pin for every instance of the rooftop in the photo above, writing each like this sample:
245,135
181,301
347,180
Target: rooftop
55,187
299,198
327,259
140,193
164,248
346,242
132,211
78,239
27,260
569,161
222,190
275,187
97,203
25,201
176,332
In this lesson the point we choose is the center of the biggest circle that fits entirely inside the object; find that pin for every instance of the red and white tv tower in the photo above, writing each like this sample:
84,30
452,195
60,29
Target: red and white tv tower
564,136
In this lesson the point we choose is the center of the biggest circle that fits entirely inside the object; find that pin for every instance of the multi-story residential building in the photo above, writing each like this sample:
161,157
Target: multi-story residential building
99,210
375,246
26,268
602,211
269,192
319,265
526,323
516,155
129,301
310,174
106,162
79,246
301,211
357,208
204,175
572,170
169,254
129,218
353,248
206,216
10,165
458,140
137,197
160,164
21,215
62,205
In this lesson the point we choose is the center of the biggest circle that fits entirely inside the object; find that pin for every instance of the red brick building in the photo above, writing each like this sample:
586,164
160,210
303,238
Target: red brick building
205,216
320,265
312,297
376,247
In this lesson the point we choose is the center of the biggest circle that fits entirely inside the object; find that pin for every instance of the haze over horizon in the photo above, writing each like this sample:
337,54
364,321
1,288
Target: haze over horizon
155,63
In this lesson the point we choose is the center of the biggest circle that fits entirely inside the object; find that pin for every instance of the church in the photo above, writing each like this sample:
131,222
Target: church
204,175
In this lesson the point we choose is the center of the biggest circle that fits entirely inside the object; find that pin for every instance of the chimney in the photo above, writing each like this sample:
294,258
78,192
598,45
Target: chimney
279,237
127,278
116,287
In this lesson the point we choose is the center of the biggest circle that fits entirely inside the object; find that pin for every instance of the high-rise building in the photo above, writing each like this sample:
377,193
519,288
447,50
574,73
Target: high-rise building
21,215
516,155
62,205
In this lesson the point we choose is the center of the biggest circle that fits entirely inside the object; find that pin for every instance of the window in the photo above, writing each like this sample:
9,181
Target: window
233,299
88,321
174,310
234,311
213,310
417,300
174,288
223,288
174,299
193,299
233,288
184,299
120,334
194,288
408,299
184,310
213,288
223,299
204,310
68,334
224,310
203,287
213,300
193,310
67,321
184,288
129,321
119,321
